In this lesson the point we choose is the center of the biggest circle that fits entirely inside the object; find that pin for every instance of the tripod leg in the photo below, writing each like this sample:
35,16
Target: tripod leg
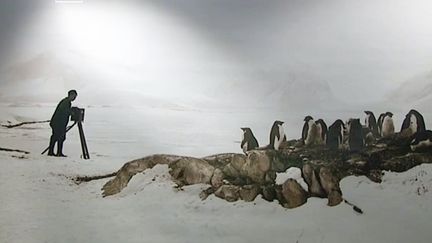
83,142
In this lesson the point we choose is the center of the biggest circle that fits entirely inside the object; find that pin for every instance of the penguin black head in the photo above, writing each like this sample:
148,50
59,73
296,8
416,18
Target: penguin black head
389,114
308,118
355,122
339,123
246,129
368,112
322,123
279,123
412,111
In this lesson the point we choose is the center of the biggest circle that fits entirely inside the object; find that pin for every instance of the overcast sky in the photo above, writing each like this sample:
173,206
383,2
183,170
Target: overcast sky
363,49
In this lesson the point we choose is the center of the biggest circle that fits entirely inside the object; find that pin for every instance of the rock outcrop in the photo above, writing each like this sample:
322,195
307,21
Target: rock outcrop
235,177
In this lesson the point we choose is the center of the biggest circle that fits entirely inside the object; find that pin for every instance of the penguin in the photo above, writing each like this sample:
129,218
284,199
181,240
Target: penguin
387,129
277,135
356,140
306,127
310,133
371,122
249,142
412,123
335,135
346,131
322,131
380,122
422,141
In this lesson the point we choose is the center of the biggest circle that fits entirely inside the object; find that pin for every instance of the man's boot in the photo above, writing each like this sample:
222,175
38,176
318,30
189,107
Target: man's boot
51,146
60,149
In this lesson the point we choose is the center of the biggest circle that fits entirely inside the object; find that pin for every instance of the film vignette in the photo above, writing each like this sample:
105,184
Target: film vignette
69,1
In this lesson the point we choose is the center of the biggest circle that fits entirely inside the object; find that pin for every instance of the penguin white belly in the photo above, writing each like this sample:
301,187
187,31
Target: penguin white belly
367,120
311,133
387,127
320,139
341,138
413,123
245,147
277,142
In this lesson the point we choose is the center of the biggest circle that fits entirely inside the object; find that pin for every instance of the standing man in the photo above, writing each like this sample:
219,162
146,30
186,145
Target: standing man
59,123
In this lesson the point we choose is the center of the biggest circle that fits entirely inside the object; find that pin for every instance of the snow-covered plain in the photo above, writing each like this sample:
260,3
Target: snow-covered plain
39,202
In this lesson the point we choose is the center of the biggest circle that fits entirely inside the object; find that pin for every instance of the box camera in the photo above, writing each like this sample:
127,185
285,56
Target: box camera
77,114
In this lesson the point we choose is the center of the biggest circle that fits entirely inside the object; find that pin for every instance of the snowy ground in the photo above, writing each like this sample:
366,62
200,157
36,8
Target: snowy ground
38,203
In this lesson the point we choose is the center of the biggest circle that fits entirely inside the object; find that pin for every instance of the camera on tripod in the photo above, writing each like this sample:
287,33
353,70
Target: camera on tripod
77,114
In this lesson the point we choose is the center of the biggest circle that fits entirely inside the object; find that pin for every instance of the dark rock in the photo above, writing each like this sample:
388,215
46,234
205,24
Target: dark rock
230,171
293,194
268,193
334,198
375,176
217,178
330,184
248,193
207,192
228,192
406,162
311,179
270,177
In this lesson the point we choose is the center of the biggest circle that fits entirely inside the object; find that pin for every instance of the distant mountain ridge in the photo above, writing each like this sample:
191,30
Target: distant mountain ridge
416,92
46,77
283,90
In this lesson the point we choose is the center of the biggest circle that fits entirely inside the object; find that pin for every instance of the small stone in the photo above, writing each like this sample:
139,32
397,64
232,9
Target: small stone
248,193
205,193
228,192
217,178
269,193
334,198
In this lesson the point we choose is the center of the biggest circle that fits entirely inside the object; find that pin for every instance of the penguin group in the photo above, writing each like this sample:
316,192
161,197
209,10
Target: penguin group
277,136
314,132
351,135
